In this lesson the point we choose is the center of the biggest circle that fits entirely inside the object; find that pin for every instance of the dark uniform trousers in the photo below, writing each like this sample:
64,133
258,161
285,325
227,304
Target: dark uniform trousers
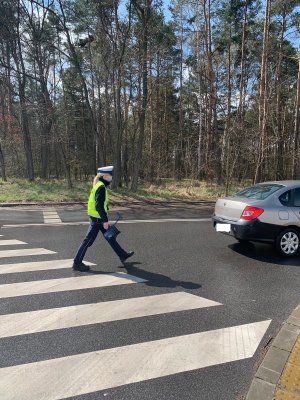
95,226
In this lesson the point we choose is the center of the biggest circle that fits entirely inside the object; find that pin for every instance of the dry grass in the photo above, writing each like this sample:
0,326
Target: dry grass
186,189
20,190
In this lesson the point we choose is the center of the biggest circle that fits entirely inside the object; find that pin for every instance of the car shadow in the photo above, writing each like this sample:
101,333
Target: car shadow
264,253
157,280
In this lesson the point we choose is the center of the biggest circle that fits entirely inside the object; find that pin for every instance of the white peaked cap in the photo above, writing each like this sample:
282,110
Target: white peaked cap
105,170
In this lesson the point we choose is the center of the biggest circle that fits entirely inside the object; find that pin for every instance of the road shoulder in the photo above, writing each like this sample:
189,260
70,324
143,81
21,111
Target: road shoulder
278,376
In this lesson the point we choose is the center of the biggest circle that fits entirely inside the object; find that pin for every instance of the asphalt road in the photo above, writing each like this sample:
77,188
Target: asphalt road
251,283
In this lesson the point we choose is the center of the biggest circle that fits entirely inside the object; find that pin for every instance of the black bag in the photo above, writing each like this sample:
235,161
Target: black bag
112,232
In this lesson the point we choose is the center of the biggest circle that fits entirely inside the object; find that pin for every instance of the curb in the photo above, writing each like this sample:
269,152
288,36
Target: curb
278,376
49,203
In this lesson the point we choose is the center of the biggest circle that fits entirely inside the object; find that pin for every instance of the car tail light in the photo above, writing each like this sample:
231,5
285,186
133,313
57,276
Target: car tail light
250,213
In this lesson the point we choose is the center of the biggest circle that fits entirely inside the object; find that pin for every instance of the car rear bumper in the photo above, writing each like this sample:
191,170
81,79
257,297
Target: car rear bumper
255,230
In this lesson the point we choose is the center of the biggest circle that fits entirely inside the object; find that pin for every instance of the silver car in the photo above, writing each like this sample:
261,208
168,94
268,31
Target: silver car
267,212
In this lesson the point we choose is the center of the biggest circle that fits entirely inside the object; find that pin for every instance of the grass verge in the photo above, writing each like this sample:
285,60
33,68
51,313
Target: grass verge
19,190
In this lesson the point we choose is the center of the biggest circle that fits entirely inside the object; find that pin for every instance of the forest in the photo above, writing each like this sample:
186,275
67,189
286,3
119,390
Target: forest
200,89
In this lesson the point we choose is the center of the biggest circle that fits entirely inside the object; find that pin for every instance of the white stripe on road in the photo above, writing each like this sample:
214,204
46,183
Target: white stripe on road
24,252
64,284
137,221
87,314
37,266
90,372
43,224
10,242
51,217
131,221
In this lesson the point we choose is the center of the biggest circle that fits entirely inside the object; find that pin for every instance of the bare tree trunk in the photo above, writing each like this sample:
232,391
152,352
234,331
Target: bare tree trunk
179,144
165,127
125,159
240,121
118,136
242,67
67,166
200,134
209,76
64,144
118,132
21,76
144,15
261,162
226,140
47,120
279,125
2,165
295,163
213,148
158,121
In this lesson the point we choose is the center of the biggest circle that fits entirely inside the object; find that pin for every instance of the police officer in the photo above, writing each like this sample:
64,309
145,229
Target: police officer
97,212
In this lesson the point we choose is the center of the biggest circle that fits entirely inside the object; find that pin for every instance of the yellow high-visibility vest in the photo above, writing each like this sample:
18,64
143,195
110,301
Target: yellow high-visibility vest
92,212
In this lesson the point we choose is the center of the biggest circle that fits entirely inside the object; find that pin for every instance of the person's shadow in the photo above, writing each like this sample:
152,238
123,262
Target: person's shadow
158,280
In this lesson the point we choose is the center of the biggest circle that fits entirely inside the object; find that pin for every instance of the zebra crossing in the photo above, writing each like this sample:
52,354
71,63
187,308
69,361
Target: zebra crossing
51,217
66,317
24,252
101,369
10,242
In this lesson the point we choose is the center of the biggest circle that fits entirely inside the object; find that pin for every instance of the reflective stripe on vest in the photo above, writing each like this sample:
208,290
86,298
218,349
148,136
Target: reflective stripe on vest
92,212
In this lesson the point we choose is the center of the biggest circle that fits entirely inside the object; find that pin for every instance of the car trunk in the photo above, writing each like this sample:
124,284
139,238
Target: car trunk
231,208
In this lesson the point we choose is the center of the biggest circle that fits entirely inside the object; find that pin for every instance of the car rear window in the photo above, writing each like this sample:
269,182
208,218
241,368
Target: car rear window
258,192
285,198
297,197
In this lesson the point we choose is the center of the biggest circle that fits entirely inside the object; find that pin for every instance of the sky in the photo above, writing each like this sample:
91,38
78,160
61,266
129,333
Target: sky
166,4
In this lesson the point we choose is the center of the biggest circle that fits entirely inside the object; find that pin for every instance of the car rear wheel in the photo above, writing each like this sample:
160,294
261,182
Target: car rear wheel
288,242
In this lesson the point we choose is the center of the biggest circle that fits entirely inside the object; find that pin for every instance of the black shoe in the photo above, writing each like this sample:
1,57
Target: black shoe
81,267
127,255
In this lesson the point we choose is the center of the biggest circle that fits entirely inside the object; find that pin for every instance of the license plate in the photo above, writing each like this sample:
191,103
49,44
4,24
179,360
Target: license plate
223,228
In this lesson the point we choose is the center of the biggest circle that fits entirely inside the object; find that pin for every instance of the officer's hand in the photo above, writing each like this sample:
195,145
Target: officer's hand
105,225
